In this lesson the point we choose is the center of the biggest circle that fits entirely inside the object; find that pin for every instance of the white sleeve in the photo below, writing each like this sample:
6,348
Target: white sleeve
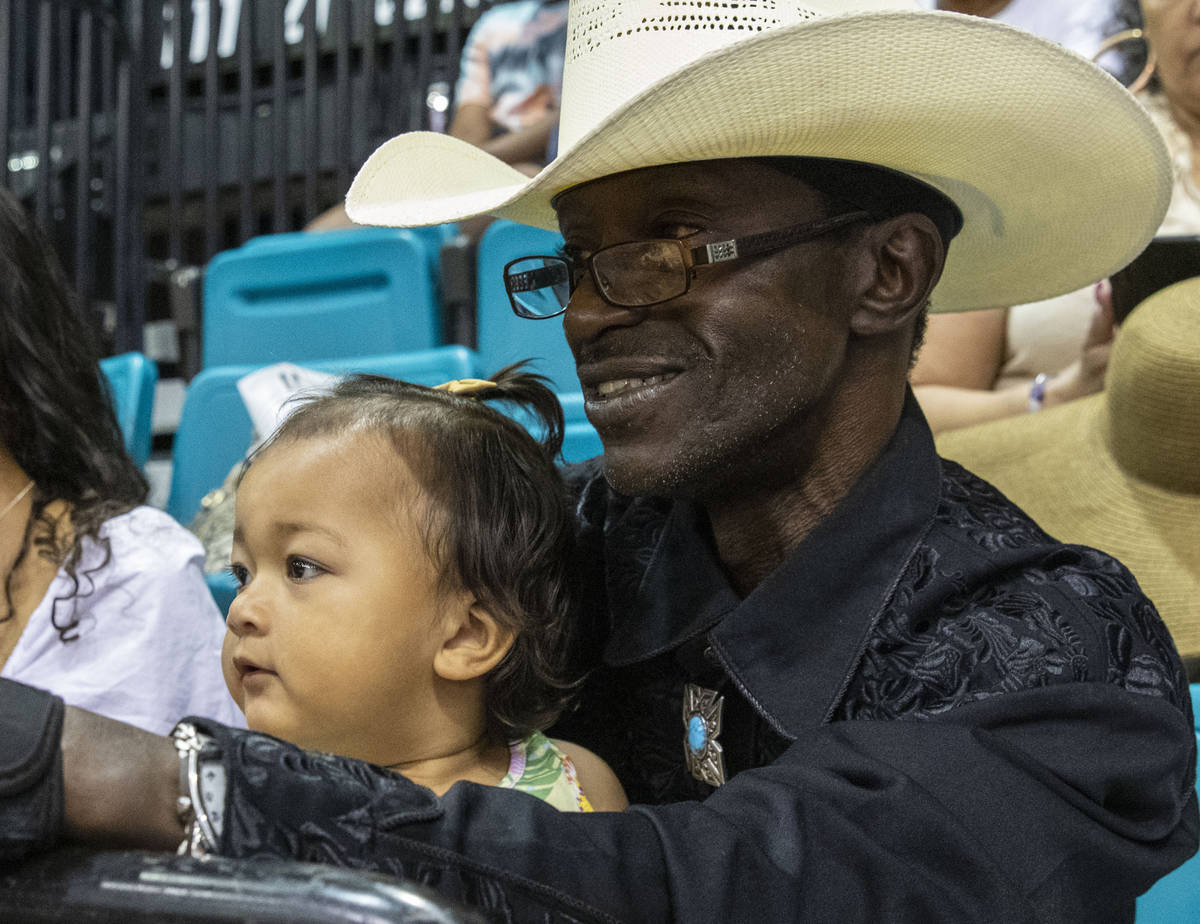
147,646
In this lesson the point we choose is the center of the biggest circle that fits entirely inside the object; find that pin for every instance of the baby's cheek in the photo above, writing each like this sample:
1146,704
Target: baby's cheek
227,669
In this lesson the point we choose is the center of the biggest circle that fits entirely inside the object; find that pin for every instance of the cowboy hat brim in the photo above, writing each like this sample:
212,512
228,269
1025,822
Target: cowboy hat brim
1061,176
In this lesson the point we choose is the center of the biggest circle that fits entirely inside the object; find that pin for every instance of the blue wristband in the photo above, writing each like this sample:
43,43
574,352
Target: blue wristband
1037,393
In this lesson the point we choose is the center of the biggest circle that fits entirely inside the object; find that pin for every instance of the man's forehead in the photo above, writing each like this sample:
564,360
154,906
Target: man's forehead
706,184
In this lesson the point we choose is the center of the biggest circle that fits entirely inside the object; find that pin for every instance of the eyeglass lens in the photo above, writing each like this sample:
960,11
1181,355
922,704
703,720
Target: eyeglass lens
641,272
539,286
630,275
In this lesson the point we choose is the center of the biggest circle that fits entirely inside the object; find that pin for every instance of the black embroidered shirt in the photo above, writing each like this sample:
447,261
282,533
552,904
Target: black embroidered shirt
933,712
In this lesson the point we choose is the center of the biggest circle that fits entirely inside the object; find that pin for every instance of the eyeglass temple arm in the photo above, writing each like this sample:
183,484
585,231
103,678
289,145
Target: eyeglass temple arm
769,241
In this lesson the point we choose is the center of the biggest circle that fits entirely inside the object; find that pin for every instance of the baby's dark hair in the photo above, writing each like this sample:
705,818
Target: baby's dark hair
498,520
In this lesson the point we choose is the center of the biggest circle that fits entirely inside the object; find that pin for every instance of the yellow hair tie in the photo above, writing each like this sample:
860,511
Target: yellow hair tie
465,387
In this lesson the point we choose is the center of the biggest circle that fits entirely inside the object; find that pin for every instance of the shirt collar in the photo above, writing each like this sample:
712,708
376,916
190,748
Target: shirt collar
793,643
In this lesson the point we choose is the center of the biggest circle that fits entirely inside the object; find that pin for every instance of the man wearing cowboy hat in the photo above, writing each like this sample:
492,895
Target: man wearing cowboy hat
841,680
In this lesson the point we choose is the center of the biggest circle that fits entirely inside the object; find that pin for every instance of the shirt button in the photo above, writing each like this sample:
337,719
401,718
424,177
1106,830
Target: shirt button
710,655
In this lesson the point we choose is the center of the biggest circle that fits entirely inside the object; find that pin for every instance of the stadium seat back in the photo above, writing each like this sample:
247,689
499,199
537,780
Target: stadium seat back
215,429
131,379
502,337
303,297
580,440
1175,899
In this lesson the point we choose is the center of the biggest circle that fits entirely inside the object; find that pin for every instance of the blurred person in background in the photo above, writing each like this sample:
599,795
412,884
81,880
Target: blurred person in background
506,100
510,82
104,601
1080,25
1004,361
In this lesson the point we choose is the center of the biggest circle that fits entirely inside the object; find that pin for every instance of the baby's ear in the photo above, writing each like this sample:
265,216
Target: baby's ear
474,642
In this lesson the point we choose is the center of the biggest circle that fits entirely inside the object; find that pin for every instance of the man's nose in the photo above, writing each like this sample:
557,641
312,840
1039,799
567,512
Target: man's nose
588,315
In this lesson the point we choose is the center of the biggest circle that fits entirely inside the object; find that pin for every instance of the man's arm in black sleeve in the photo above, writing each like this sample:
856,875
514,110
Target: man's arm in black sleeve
1059,803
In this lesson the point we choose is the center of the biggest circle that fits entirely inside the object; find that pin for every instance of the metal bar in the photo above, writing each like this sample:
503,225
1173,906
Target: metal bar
425,60
397,104
366,96
129,243
106,166
212,139
246,126
6,14
175,132
83,152
279,116
45,101
65,57
108,74
454,50
20,63
345,25
312,126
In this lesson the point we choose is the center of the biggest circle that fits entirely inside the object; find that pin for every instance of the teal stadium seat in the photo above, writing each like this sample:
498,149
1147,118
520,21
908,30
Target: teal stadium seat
1175,899
215,430
302,297
431,238
131,379
502,337
580,439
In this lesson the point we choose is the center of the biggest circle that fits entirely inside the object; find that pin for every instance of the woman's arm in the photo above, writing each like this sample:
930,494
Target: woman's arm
958,366
962,358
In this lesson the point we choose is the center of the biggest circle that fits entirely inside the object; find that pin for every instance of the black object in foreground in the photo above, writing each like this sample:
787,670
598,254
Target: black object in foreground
78,885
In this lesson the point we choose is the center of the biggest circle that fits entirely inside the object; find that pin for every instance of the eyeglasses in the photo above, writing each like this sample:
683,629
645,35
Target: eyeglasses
638,274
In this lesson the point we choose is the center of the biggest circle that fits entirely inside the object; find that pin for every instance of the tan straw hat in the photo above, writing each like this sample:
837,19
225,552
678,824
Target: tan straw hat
1119,471
1060,175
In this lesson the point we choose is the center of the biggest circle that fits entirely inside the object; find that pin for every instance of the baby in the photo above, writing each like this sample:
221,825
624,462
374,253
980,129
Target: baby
402,556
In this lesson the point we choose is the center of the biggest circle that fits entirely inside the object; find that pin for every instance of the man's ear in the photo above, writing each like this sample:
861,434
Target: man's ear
907,255
473,642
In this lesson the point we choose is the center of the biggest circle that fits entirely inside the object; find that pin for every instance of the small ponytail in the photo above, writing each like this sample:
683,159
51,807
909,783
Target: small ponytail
531,393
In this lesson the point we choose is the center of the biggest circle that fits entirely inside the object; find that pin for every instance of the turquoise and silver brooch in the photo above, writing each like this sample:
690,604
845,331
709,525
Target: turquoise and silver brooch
702,723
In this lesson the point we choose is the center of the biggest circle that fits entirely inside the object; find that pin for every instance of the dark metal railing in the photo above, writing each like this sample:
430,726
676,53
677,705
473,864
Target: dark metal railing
147,135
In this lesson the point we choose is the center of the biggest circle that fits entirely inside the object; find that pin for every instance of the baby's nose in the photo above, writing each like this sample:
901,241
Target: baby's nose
247,613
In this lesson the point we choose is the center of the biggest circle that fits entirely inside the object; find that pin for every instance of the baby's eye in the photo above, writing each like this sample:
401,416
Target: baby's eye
240,574
301,569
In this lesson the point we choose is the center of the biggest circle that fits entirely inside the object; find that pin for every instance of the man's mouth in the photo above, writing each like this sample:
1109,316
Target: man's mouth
614,388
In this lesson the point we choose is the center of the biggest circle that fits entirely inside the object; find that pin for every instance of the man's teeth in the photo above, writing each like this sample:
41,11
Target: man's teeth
617,386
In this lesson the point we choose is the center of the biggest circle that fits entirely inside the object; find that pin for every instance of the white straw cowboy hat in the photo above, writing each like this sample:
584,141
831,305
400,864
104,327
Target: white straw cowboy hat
1120,470
1060,175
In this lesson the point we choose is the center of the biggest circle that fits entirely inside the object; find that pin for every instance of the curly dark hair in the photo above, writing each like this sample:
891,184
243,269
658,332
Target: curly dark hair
56,416
499,522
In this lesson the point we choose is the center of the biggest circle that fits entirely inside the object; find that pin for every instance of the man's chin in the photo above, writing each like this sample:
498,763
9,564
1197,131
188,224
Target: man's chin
659,474
625,476
667,470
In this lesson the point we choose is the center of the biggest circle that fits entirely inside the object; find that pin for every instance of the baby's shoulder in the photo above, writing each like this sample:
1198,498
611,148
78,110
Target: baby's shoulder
596,778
